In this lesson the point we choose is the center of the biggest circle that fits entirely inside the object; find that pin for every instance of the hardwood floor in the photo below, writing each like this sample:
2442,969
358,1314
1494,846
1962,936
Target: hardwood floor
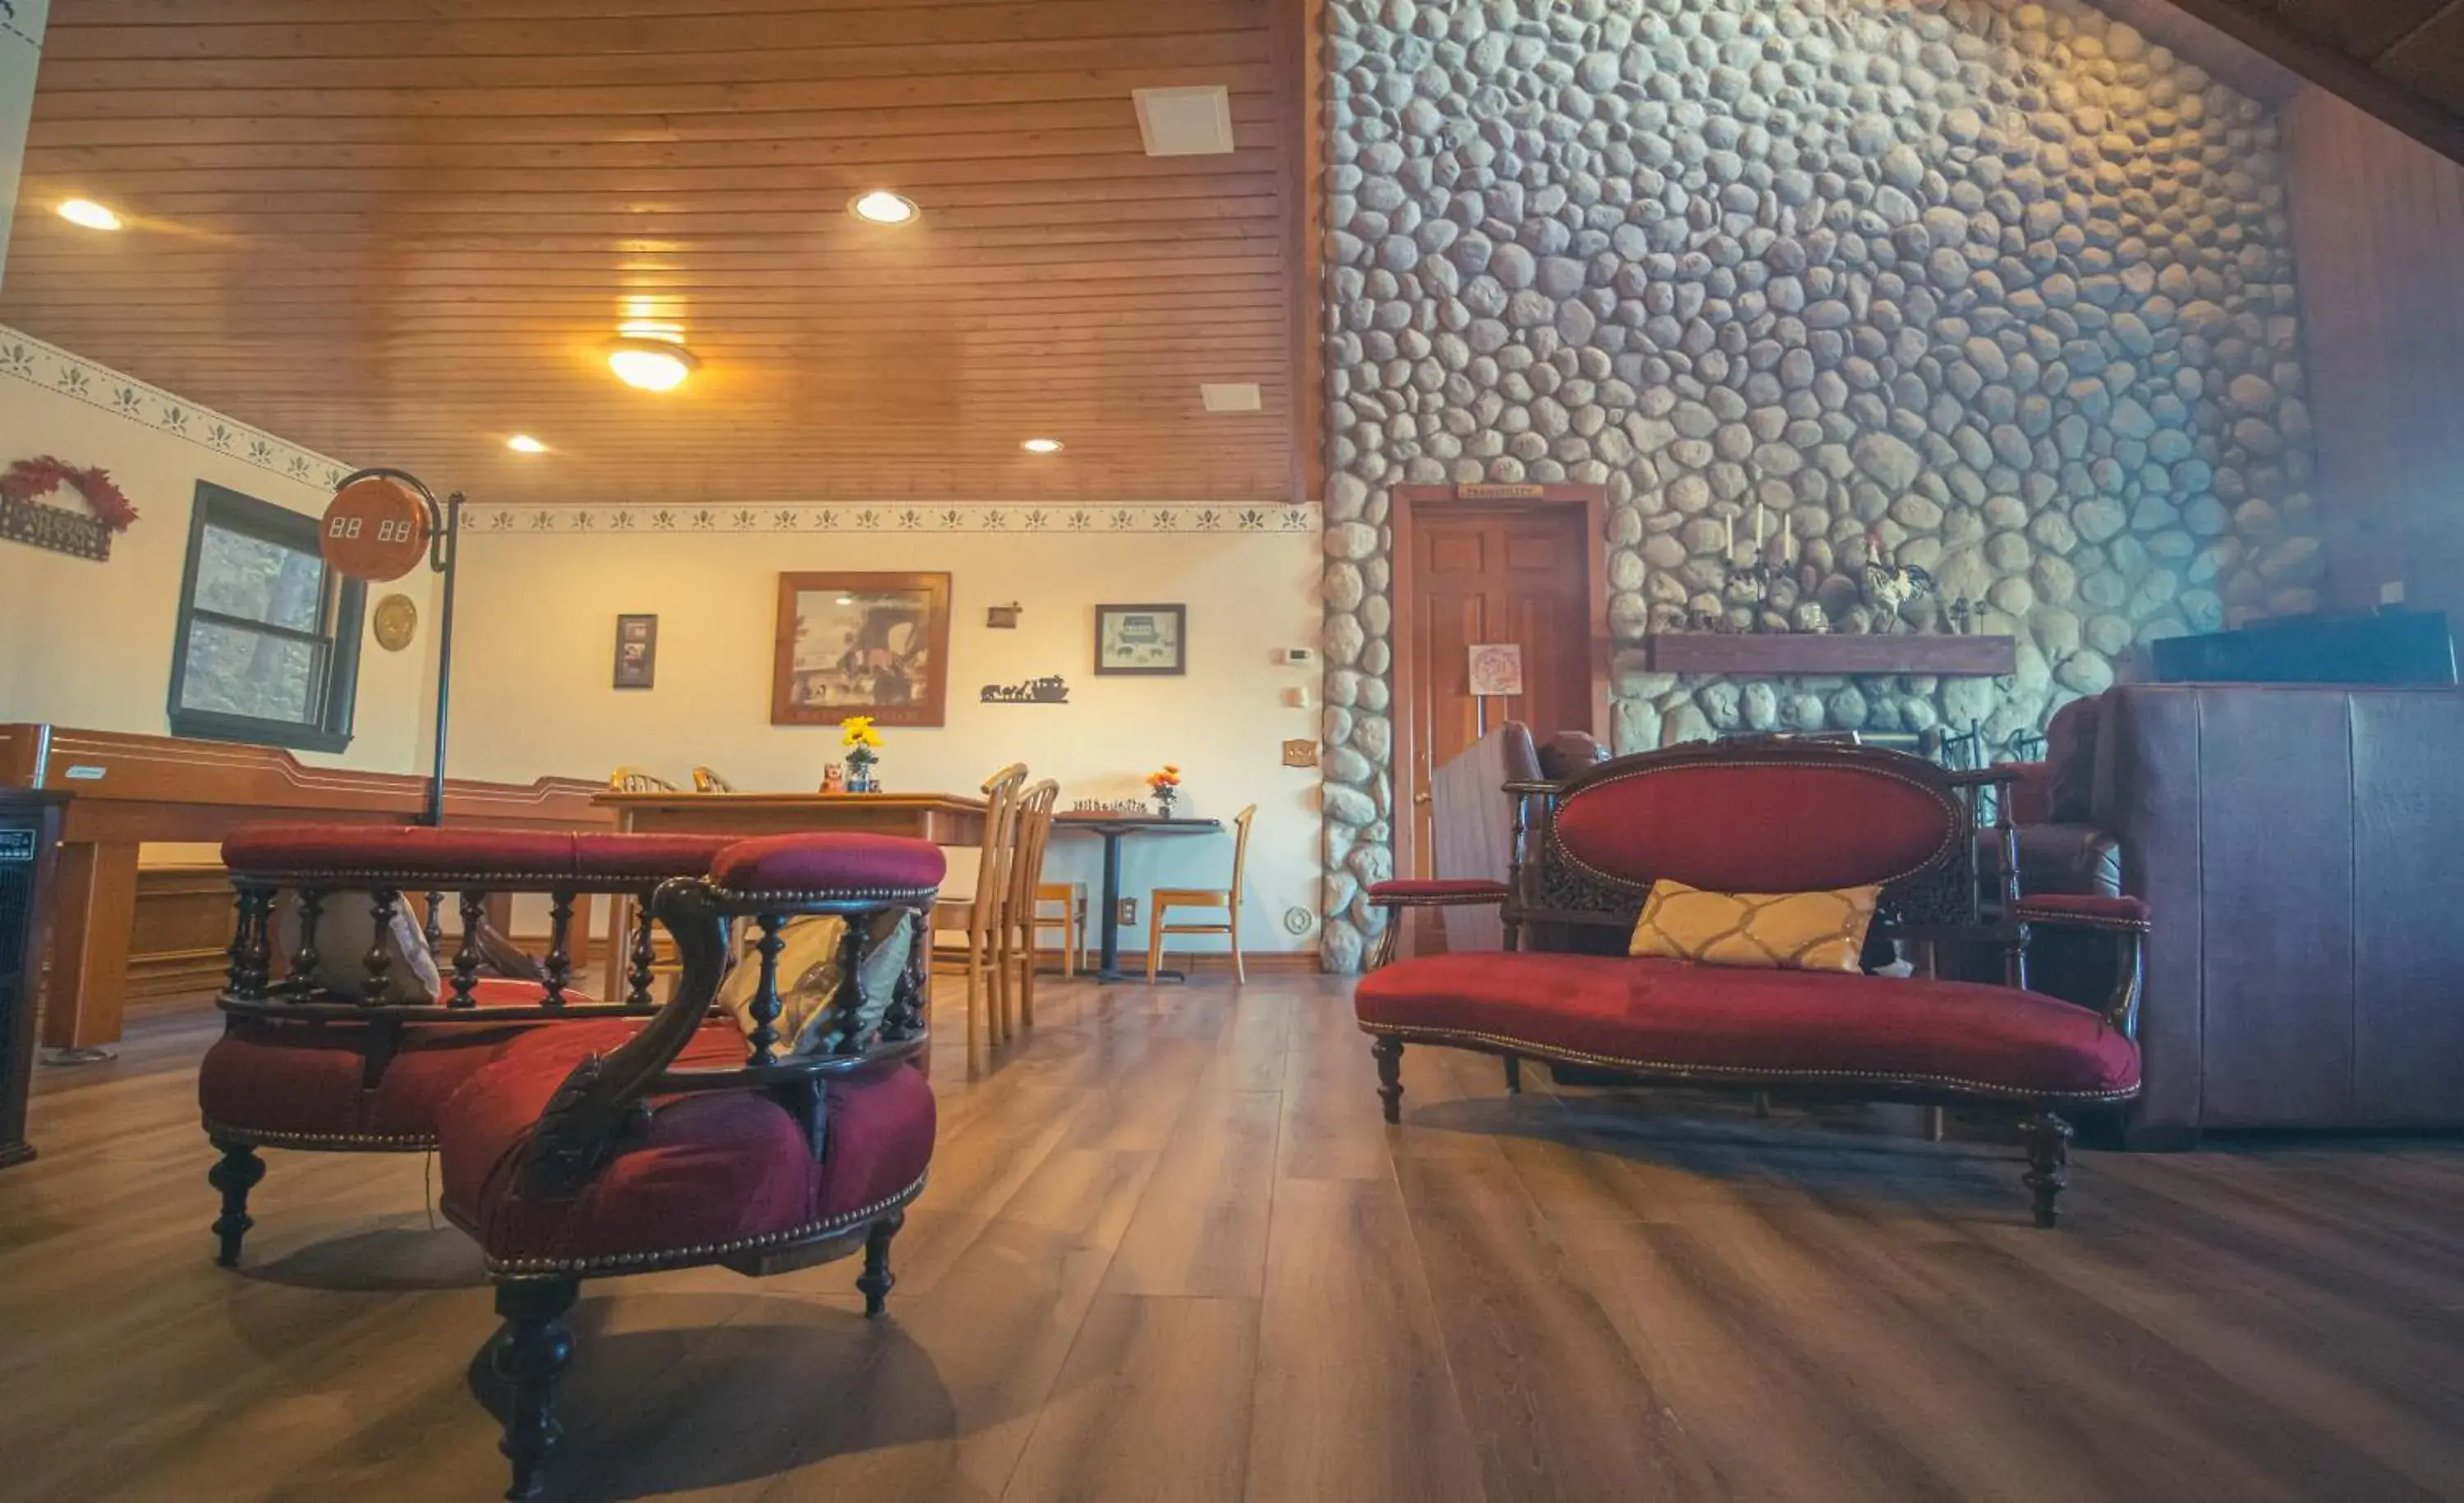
1170,1252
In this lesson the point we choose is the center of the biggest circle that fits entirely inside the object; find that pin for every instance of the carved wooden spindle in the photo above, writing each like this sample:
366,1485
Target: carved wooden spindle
466,955
304,959
560,946
637,991
765,998
383,903
906,1017
848,1005
249,956
433,929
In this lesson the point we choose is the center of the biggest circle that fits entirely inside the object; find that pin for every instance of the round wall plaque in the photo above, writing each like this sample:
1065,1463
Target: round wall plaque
375,528
397,622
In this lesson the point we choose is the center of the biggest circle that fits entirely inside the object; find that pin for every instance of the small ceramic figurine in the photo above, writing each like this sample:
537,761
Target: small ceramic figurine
833,779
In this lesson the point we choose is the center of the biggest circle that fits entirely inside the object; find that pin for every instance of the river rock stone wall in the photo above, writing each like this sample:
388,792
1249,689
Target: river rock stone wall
2002,284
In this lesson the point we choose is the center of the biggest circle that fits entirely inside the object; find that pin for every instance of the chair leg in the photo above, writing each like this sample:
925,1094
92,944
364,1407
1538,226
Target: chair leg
1514,1074
1389,1053
2049,1155
997,955
1154,939
1070,937
1027,969
1239,964
975,1012
235,1173
876,1281
530,1350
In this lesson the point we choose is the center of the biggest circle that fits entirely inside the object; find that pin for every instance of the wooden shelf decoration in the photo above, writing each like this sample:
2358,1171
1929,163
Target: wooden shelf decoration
1788,653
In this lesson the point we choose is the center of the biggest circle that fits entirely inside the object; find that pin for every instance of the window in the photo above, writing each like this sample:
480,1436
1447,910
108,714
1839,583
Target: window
269,641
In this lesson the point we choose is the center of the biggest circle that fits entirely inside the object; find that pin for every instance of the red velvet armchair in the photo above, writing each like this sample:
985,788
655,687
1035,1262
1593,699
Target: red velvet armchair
625,1147
356,1054
1777,816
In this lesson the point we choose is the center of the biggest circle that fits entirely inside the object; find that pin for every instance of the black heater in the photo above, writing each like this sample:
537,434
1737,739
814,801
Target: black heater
29,833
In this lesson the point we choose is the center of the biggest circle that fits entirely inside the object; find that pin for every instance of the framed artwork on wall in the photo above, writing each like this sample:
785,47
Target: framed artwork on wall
861,644
637,651
1142,639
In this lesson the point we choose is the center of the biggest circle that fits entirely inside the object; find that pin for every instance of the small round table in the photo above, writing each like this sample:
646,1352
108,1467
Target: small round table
1114,827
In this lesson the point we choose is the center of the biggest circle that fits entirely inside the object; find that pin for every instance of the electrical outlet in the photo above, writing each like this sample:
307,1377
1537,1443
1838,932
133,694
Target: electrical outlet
1128,912
1300,754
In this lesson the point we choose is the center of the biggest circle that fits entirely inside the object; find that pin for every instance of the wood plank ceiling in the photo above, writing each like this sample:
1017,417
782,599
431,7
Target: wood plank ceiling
2402,60
400,231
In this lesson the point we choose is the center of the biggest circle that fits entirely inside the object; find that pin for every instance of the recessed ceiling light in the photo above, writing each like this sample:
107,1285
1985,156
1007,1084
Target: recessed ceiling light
1228,396
651,364
87,212
1194,120
1041,446
882,207
525,444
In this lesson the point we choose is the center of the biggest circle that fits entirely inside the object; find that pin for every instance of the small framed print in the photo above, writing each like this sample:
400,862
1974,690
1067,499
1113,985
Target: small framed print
1496,668
637,651
1152,640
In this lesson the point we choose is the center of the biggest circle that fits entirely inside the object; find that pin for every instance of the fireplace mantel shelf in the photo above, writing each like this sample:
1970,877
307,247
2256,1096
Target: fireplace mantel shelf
1777,653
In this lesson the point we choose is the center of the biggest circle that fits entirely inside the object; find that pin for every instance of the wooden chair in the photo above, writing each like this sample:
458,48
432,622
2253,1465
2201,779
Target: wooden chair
1025,882
1166,898
706,781
976,915
629,779
1071,920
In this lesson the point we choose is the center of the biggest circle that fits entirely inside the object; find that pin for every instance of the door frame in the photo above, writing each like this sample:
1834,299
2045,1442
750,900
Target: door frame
1404,505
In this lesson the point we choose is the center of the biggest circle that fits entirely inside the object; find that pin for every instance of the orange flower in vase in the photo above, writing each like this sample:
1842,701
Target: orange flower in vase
1165,783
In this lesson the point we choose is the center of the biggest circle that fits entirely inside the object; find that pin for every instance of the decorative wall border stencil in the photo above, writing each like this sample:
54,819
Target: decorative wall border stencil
27,359
1144,518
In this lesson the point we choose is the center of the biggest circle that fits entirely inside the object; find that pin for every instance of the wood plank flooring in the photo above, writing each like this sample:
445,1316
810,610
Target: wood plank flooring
1170,1252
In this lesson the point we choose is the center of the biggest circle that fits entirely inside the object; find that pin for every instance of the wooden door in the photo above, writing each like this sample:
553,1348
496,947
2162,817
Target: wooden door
1520,575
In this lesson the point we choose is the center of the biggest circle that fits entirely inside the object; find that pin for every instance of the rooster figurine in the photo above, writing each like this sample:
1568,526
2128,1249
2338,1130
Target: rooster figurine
1889,585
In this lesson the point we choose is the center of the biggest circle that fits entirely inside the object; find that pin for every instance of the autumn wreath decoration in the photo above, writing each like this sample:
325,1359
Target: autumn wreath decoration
29,479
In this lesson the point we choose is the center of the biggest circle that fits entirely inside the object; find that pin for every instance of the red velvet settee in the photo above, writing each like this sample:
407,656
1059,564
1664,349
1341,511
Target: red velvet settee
1777,816
346,1053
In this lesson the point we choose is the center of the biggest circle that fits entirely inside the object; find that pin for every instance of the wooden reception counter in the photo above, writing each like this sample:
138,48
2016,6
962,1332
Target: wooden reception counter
127,790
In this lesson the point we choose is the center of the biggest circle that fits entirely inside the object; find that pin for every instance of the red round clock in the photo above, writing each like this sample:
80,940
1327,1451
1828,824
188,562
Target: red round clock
374,529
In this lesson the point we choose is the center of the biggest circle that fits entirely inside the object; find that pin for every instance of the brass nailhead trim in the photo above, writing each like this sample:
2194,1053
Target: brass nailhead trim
645,1262
371,1143
1577,1057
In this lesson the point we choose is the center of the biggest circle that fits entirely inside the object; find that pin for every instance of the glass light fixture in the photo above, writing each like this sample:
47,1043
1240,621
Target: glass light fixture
1041,446
525,444
882,207
650,365
86,213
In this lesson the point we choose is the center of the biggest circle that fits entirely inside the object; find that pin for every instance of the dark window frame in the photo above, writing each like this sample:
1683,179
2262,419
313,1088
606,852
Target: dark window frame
341,614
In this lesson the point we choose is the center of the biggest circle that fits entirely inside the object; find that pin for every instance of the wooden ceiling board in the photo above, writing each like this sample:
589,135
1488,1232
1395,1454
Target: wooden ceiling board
2401,61
397,231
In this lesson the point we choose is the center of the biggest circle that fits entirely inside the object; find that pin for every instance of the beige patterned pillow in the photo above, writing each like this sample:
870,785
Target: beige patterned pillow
808,977
1770,931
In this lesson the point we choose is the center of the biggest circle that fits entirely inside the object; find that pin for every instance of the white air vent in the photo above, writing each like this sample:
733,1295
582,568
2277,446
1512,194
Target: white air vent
1192,122
1228,396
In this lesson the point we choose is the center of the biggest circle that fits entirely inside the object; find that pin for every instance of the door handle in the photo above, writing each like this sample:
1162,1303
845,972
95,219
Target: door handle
1421,797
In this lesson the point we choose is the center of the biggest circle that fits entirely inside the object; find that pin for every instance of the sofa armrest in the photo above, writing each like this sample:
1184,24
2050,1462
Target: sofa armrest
2068,860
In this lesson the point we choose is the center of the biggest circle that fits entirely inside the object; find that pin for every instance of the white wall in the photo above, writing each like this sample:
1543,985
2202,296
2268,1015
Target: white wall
21,55
89,645
534,646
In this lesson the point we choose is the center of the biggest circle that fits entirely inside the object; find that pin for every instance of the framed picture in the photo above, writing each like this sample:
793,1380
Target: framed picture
861,644
1142,639
637,651
1496,668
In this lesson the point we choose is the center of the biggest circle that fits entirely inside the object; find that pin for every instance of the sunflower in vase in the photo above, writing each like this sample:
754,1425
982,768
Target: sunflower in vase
1165,783
864,751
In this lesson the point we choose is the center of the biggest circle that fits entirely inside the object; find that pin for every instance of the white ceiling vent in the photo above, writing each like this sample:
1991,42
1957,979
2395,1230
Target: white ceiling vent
1192,122
1228,396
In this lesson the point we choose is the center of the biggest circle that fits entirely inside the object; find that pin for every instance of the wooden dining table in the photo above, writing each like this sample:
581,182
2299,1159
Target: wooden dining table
945,819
